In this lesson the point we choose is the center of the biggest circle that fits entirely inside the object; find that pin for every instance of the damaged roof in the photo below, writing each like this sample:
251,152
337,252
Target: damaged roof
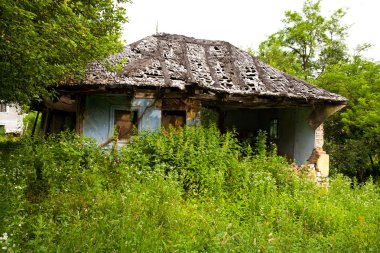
167,60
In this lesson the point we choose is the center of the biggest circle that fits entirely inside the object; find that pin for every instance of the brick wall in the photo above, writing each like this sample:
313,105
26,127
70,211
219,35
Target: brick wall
319,137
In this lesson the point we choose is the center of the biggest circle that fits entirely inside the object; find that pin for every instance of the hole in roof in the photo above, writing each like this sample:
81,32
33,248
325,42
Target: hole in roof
136,50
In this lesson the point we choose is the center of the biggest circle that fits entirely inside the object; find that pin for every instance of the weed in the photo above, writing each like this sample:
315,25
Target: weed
188,190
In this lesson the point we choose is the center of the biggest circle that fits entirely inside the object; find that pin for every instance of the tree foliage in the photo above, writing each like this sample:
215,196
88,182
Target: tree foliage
307,43
354,135
45,41
313,48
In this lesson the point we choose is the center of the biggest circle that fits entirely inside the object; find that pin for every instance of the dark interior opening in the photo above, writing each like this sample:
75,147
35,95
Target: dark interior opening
61,121
173,118
125,122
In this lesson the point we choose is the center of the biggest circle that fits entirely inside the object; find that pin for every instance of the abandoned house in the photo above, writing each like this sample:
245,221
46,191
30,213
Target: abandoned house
171,79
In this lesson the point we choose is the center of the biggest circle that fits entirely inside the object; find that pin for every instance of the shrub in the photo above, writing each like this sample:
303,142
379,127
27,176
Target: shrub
187,190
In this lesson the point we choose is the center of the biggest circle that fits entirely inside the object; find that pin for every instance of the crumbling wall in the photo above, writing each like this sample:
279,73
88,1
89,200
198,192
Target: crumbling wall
319,135
318,162
318,165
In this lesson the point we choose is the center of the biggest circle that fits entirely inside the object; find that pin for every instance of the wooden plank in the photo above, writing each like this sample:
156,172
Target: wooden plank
80,102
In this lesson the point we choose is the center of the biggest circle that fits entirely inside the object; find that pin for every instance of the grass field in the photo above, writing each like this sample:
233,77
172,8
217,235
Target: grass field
194,190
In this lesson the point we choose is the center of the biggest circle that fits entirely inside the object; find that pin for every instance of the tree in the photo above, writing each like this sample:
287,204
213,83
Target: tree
313,47
354,135
45,41
307,43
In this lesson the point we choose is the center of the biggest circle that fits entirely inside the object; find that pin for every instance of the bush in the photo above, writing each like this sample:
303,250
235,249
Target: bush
188,190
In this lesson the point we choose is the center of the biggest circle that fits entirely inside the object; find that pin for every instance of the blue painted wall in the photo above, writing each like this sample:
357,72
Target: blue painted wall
304,138
296,137
99,109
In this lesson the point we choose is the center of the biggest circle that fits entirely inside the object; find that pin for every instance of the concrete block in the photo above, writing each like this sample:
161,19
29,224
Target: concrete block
323,164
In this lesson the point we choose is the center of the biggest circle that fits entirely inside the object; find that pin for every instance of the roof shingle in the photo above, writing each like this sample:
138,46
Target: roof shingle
168,60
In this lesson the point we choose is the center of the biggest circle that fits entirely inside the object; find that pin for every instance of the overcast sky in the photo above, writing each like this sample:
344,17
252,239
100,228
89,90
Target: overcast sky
244,23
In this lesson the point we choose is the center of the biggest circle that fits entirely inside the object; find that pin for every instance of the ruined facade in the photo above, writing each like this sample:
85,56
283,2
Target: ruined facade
166,79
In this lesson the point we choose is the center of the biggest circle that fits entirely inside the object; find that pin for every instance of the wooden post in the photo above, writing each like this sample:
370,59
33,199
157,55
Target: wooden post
80,102
35,123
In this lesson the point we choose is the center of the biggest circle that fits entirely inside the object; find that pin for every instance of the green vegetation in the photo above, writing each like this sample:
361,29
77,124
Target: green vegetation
30,124
44,42
353,136
312,47
191,190
308,42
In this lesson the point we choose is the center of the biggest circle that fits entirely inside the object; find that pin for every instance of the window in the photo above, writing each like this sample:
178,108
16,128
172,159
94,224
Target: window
3,107
174,118
125,122
273,129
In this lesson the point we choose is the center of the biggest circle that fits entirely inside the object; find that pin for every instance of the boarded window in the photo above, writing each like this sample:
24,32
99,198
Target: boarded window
3,107
125,122
273,129
174,118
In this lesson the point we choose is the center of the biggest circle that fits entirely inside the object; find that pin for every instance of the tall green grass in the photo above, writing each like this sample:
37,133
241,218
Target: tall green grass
190,190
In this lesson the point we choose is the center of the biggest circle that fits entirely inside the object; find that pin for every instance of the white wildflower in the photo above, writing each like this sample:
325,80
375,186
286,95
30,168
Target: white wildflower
4,237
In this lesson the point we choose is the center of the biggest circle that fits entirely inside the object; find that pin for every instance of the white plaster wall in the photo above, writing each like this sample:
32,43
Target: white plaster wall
12,119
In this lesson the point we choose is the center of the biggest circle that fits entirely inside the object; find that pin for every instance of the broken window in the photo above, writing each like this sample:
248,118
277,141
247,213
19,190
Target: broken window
3,107
174,118
274,129
125,122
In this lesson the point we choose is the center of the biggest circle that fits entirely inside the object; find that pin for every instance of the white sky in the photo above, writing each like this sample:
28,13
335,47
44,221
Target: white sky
244,23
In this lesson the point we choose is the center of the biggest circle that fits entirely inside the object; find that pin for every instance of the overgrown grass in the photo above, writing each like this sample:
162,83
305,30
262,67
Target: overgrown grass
194,190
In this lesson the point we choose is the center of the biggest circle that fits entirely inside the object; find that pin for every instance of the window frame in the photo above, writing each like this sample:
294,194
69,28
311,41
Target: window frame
111,127
274,123
163,111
